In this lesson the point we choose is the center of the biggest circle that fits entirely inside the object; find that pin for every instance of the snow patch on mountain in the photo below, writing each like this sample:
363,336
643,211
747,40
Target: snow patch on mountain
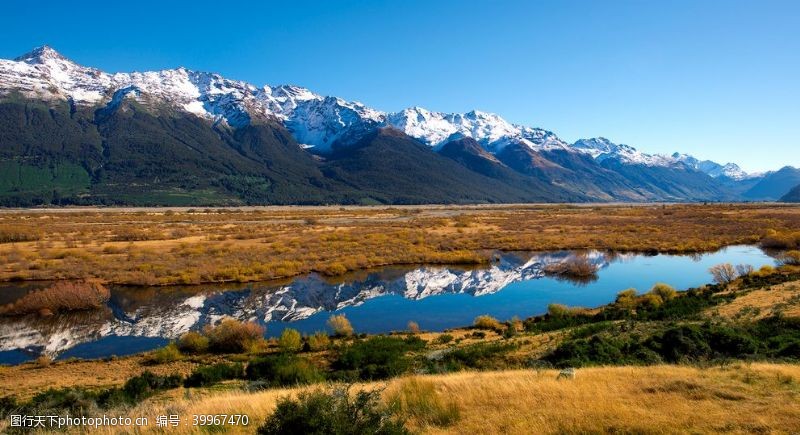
488,129
601,149
714,169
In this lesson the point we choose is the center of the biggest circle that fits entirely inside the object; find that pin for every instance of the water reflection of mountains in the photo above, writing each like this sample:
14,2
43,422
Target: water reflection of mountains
168,312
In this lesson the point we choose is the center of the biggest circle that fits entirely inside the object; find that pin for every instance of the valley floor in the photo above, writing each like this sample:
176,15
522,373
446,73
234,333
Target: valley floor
191,246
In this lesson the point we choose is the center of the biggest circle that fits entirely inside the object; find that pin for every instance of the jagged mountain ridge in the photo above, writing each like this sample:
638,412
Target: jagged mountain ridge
323,124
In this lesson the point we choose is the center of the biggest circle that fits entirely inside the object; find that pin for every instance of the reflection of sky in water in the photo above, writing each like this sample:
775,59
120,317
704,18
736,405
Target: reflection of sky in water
531,297
142,319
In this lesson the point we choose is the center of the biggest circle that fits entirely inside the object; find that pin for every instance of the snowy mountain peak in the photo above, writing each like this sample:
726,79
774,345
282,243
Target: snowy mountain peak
713,169
601,149
40,55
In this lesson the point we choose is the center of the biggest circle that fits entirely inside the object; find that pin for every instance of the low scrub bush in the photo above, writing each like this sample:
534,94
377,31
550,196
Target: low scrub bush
723,273
61,296
233,336
340,326
284,370
336,412
481,356
80,401
290,340
770,338
210,375
444,339
193,343
318,341
487,322
166,354
378,357
577,266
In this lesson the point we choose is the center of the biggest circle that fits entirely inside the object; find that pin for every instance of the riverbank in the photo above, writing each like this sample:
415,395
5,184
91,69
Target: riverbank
193,246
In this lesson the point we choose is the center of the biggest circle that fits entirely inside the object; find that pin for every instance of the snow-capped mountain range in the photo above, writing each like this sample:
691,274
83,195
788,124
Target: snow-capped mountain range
317,122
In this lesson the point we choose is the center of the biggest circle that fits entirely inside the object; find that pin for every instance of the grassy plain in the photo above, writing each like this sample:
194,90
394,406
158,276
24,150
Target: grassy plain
189,246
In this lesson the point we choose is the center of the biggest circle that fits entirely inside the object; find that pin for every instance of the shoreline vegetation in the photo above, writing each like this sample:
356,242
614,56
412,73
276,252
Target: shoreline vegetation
153,246
721,357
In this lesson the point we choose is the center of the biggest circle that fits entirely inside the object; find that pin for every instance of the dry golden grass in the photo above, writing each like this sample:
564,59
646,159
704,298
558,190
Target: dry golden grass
25,380
157,246
740,398
764,302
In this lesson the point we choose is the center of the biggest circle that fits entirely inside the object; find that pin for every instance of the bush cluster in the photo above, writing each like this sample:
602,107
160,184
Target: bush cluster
768,338
210,375
336,412
283,370
377,357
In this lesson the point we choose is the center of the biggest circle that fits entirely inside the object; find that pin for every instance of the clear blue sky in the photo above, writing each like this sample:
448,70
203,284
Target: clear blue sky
718,79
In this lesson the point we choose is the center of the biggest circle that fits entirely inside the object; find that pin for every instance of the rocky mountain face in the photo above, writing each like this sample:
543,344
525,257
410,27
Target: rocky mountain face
75,134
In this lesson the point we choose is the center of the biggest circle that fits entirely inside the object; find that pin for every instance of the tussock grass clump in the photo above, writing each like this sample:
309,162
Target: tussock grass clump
10,234
61,296
417,399
233,336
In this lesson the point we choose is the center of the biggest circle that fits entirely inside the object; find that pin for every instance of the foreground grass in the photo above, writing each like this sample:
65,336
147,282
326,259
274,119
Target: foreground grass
190,246
740,398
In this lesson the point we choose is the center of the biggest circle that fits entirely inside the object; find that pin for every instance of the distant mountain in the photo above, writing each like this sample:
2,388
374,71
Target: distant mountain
74,134
774,185
793,195
731,171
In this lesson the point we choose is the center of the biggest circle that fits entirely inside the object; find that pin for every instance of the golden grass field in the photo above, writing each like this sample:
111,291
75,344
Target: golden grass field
740,398
190,246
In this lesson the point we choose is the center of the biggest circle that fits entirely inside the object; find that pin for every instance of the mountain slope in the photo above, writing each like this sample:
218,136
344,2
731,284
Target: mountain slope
388,166
793,195
774,185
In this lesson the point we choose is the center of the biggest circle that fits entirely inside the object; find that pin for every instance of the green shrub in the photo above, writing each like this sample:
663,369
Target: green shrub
166,354
290,340
233,336
210,375
444,339
336,413
80,401
283,370
378,357
664,291
193,342
145,385
481,356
